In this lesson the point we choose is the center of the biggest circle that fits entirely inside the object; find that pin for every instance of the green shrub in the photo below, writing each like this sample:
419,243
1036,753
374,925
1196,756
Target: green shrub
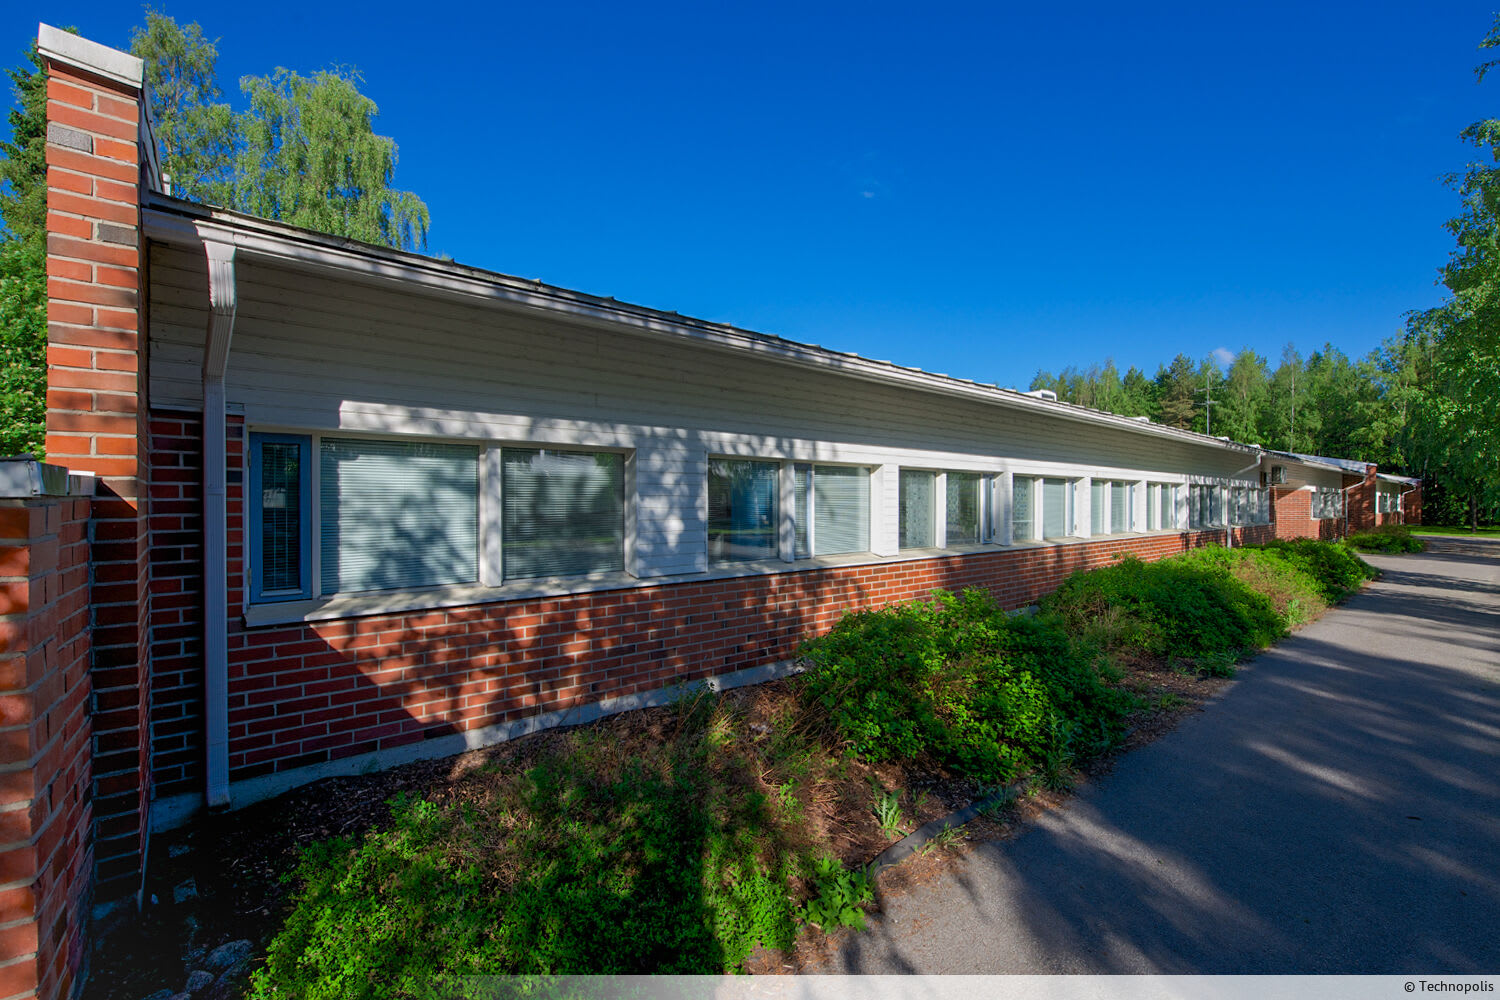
589,862
1337,570
1191,608
1386,538
1209,607
987,693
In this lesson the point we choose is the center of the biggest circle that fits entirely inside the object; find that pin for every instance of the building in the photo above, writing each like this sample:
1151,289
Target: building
334,507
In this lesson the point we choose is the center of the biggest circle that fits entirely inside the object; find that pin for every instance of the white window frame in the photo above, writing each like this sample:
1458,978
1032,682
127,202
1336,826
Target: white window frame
490,528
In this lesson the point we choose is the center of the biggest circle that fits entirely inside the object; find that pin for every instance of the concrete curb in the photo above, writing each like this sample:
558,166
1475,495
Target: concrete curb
927,832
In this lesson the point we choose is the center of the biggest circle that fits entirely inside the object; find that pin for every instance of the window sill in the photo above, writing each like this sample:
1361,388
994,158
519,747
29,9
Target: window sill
438,598
467,595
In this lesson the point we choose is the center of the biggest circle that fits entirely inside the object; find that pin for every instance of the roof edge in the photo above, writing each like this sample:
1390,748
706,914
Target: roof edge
171,220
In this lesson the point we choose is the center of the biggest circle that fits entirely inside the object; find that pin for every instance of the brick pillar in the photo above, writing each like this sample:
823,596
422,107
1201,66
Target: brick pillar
1362,502
96,412
1411,505
45,772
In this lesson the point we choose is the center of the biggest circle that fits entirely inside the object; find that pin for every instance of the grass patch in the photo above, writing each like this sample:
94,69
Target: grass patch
1386,538
1488,530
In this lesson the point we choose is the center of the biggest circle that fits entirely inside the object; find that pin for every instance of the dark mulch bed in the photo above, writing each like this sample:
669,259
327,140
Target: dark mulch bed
221,878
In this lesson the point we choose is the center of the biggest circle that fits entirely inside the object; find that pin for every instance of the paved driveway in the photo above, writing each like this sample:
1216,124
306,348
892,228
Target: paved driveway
1337,810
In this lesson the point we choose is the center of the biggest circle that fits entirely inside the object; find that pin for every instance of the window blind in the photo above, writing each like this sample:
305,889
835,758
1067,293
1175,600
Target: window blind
841,509
1119,508
397,514
563,512
1054,508
1168,507
1096,507
918,513
742,510
801,499
963,508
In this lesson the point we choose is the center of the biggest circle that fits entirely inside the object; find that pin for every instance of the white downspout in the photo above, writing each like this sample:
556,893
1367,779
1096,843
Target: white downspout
1401,504
221,299
1345,492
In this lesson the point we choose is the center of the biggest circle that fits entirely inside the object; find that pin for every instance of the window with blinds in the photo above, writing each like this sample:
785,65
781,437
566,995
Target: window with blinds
1097,501
1119,508
1022,516
562,512
965,508
1167,517
918,509
833,509
743,510
397,514
1054,508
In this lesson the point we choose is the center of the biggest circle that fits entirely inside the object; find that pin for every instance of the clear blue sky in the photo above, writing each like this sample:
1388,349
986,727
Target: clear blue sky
977,190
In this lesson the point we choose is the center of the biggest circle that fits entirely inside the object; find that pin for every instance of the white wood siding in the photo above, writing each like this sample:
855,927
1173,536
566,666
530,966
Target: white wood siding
313,353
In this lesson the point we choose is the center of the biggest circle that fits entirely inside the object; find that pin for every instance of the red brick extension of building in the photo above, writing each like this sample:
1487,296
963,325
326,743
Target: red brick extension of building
105,581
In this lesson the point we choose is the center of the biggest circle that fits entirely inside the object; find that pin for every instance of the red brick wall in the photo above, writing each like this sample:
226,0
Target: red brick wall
95,374
1291,513
1411,506
310,693
45,737
176,595
1361,500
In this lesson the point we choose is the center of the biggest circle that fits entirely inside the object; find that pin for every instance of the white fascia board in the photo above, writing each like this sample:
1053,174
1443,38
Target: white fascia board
187,225
77,51
1286,458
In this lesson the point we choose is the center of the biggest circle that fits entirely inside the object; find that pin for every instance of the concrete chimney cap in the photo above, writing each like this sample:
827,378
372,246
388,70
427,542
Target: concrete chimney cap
101,60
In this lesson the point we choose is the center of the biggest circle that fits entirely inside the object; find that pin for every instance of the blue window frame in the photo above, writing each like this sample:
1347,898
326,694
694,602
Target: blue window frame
279,531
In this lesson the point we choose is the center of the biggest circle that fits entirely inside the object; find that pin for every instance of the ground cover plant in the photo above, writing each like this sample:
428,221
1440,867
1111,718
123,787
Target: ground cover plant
692,838
1386,538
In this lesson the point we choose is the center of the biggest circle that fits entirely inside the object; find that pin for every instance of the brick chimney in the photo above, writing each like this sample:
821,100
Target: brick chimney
96,413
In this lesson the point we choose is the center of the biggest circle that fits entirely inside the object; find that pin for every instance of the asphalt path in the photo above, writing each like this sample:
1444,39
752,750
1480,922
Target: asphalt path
1336,810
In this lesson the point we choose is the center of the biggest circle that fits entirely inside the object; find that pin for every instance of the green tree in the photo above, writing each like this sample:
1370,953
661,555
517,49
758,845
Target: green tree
1140,398
1242,397
1176,385
305,152
311,158
196,132
23,265
1462,396
1288,422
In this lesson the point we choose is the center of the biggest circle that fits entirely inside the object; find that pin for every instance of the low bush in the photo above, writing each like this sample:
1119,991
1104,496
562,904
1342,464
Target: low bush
1336,569
1191,608
591,861
1386,538
1209,607
989,694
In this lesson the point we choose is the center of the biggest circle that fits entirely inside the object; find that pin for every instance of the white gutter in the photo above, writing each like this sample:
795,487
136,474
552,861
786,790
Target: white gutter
345,259
221,297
